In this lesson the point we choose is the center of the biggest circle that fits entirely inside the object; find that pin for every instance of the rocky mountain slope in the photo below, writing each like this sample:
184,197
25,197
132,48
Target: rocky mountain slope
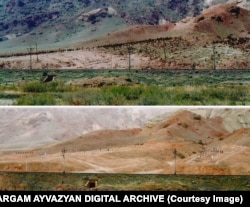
27,128
204,140
217,38
33,127
27,22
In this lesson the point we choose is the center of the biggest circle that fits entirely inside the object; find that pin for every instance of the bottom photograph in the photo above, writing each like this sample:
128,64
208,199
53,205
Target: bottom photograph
124,148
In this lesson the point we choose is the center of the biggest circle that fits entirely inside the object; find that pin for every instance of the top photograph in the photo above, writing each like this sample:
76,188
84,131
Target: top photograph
130,52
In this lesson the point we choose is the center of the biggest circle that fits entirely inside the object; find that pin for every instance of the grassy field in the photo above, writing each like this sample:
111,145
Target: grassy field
147,87
77,181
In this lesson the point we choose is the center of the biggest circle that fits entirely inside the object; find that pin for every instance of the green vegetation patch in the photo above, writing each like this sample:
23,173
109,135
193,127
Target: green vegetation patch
77,181
145,87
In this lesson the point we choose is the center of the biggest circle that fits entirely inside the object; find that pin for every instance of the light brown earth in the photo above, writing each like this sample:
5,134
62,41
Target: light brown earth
204,146
85,59
186,44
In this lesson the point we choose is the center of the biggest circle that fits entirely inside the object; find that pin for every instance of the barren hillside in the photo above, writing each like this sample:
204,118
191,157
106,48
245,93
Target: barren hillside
218,38
216,23
59,23
27,128
203,146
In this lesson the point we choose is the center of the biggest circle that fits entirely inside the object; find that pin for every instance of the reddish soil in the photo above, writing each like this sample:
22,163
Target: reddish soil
203,146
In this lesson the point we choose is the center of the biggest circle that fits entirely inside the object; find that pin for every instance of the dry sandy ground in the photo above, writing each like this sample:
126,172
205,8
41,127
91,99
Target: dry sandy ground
204,146
133,159
84,59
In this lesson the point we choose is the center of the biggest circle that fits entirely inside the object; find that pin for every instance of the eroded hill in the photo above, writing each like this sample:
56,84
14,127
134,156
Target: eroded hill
58,23
203,145
217,38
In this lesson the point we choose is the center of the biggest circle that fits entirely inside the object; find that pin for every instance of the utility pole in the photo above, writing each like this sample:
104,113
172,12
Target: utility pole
36,54
164,50
63,154
26,168
214,61
111,61
129,58
30,49
174,161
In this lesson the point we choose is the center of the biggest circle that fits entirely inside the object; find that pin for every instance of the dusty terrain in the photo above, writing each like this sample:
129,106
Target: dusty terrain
219,35
31,127
205,144
85,59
